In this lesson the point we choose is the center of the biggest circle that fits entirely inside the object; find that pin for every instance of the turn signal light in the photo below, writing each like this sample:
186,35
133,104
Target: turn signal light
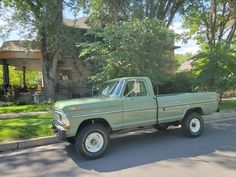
66,127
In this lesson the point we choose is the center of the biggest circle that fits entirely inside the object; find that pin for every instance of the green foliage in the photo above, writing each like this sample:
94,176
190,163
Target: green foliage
210,22
216,69
25,127
122,10
133,48
212,25
16,77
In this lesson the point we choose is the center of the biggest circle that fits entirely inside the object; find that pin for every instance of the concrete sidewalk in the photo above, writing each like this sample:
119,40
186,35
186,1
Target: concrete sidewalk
9,115
220,115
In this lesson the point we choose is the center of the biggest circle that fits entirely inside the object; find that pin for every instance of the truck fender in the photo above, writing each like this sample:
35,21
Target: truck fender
95,121
191,110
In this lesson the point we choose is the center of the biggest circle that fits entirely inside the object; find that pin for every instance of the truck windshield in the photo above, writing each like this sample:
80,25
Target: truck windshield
110,89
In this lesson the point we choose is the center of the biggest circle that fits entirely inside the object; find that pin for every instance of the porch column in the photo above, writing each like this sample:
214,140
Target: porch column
5,68
24,82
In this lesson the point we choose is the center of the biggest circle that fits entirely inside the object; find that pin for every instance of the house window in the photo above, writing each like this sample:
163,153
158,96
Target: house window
65,75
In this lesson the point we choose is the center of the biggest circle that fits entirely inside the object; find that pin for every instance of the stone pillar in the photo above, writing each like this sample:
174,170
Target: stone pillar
6,82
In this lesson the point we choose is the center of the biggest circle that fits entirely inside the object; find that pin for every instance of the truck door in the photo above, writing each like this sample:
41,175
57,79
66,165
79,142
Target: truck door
138,108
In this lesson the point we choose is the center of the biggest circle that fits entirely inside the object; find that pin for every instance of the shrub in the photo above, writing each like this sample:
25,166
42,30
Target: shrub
179,83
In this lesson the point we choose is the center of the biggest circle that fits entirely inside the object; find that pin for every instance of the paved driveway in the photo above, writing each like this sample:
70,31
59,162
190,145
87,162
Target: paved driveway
144,153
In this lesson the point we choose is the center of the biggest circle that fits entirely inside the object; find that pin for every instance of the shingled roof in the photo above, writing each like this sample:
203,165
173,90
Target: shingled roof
77,23
18,46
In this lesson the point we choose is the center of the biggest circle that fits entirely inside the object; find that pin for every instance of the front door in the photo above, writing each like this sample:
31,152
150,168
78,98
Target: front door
138,109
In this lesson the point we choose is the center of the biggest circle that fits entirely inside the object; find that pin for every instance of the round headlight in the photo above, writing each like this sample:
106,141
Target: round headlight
65,120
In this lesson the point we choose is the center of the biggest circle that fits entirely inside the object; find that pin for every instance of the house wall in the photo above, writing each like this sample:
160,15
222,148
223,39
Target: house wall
73,78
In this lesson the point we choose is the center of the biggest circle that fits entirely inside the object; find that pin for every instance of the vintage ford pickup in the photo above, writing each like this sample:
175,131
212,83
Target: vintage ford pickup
125,104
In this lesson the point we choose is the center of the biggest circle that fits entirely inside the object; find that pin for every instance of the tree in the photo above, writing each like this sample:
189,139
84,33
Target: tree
216,70
133,48
213,25
113,11
211,22
45,19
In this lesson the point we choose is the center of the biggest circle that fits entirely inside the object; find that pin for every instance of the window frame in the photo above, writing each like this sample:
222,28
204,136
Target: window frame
65,70
136,95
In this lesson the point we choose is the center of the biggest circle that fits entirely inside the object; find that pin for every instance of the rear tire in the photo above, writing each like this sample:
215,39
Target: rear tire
92,141
193,125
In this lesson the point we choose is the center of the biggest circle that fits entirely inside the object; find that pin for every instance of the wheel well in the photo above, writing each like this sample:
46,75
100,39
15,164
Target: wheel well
191,110
95,121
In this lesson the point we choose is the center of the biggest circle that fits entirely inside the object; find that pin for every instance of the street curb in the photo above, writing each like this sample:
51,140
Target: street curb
28,143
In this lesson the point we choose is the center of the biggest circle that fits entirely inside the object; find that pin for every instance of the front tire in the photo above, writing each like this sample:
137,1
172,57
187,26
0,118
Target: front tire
92,141
193,125
70,140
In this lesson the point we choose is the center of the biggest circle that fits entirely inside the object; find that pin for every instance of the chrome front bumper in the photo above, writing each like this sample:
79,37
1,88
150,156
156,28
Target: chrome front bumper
60,131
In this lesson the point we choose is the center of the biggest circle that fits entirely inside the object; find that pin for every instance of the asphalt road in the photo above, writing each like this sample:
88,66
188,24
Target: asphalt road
144,153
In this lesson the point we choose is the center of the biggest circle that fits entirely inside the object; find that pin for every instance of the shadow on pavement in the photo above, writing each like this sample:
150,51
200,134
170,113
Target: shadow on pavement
144,147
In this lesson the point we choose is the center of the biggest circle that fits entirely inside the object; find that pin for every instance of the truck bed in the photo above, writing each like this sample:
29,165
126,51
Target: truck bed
172,107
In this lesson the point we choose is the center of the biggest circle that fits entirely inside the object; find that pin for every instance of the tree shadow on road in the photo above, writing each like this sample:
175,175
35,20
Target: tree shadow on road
149,146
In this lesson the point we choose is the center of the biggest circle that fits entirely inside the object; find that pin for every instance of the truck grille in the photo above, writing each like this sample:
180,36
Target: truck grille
56,116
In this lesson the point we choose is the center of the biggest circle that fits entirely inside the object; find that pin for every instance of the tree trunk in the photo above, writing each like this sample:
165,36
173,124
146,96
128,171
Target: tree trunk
220,99
48,82
50,59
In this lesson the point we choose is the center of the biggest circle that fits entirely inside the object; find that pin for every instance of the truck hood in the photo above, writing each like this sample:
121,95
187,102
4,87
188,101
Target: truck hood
86,103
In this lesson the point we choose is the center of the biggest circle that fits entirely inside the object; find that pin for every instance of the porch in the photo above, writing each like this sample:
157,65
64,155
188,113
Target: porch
15,54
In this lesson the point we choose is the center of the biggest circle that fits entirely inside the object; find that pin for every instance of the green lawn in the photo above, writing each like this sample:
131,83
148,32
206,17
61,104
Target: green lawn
228,106
24,108
25,127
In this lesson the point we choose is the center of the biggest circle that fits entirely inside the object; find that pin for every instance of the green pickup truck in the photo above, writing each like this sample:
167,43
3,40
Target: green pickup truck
126,104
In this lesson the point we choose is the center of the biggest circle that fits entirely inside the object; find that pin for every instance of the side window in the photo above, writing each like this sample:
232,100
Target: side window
130,86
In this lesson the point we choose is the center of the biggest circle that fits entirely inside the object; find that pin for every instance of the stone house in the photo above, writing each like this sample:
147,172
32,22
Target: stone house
72,75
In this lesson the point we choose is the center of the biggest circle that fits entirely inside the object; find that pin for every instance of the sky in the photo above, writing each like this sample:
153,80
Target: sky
190,46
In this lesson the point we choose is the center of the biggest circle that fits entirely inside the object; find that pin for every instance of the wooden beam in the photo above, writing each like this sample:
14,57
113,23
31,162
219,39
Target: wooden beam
18,55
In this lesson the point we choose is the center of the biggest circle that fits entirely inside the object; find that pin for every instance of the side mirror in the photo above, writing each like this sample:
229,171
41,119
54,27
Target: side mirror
136,87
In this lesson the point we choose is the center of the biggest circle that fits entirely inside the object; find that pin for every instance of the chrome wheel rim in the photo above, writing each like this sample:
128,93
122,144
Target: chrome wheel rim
94,142
195,125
